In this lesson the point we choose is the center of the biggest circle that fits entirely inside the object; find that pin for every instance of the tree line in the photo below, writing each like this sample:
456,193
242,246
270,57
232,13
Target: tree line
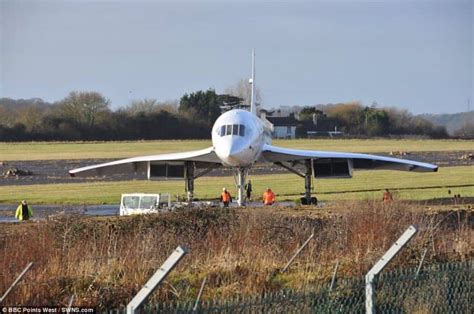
357,120
88,116
84,115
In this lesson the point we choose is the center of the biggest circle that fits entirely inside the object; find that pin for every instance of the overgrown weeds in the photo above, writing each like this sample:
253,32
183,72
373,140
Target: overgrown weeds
105,261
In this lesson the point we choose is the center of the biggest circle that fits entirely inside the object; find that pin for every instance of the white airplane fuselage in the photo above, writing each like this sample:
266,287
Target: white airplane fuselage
238,137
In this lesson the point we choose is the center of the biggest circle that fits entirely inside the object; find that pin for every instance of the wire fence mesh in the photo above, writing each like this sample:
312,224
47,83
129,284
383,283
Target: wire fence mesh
441,288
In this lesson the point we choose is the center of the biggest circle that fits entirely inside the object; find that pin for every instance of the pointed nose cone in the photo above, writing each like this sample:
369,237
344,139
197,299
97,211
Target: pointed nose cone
230,153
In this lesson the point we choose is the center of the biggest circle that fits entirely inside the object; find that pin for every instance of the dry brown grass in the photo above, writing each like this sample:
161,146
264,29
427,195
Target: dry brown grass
104,262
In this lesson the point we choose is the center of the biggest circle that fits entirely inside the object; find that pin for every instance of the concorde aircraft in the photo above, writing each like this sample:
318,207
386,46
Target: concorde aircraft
239,140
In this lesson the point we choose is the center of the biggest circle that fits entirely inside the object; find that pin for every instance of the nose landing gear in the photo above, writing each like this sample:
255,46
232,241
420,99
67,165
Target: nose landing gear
240,183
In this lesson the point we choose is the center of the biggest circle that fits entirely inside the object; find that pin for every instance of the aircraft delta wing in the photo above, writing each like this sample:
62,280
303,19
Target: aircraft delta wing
341,164
239,139
164,165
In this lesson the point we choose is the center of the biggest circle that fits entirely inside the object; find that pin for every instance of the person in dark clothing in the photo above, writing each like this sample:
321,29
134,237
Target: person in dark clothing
248,190
24,211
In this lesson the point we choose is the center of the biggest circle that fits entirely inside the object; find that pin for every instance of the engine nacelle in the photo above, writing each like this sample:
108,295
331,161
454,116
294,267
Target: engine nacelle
332,168
166,171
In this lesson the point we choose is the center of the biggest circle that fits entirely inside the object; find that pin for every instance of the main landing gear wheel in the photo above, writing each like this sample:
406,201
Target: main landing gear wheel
313,201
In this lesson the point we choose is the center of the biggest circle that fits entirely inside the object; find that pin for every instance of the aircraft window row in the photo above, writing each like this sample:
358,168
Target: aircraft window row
232,129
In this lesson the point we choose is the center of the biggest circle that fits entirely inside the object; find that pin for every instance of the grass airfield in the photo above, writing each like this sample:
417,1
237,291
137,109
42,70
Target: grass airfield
123,149
363,185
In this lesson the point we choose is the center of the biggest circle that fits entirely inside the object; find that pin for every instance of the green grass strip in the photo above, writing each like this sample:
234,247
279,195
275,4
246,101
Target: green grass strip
115,150
364,184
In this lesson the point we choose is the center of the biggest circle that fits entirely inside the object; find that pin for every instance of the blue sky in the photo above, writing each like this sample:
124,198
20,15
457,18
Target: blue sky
417,55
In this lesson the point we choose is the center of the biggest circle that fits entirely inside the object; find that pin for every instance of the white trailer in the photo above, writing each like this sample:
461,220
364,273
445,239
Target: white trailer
140,203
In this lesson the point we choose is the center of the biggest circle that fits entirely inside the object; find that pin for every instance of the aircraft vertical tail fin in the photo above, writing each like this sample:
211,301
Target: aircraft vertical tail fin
253,105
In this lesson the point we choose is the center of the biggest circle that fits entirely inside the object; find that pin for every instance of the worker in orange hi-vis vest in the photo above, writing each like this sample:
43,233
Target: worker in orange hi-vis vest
226,198
387,196
268,197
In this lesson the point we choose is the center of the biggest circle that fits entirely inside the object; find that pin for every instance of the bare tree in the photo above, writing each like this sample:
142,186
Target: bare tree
170,106
148,106
25,111
465,131
31,117
141,106
6,118
243,89
87,108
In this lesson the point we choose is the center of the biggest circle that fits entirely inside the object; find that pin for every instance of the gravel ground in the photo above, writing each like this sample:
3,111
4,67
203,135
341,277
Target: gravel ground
56,171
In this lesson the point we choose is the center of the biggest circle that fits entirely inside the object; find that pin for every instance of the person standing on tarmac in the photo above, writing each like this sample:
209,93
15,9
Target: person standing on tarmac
387,196
268,197
226,198
24,211
248,190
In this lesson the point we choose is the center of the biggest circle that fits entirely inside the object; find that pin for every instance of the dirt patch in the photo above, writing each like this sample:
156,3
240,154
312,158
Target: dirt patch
15,172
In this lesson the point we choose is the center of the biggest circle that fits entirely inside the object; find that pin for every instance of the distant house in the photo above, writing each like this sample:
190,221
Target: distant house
283,127
321,126
290,126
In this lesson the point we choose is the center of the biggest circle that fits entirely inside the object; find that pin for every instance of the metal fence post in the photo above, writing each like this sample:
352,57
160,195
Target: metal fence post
369,294
196,304
16,281
156,279
298,252
71,300
421,262
333,280
380,265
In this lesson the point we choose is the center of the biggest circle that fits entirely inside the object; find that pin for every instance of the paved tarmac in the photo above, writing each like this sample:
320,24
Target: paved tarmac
41,212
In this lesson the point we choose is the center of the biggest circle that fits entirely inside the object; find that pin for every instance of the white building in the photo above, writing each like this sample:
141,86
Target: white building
283,127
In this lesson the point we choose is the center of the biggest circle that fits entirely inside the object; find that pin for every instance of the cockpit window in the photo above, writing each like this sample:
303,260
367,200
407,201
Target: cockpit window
235,129
242,130
232,129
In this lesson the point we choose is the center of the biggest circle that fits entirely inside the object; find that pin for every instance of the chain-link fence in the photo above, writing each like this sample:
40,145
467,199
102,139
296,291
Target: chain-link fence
442,288
445,288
